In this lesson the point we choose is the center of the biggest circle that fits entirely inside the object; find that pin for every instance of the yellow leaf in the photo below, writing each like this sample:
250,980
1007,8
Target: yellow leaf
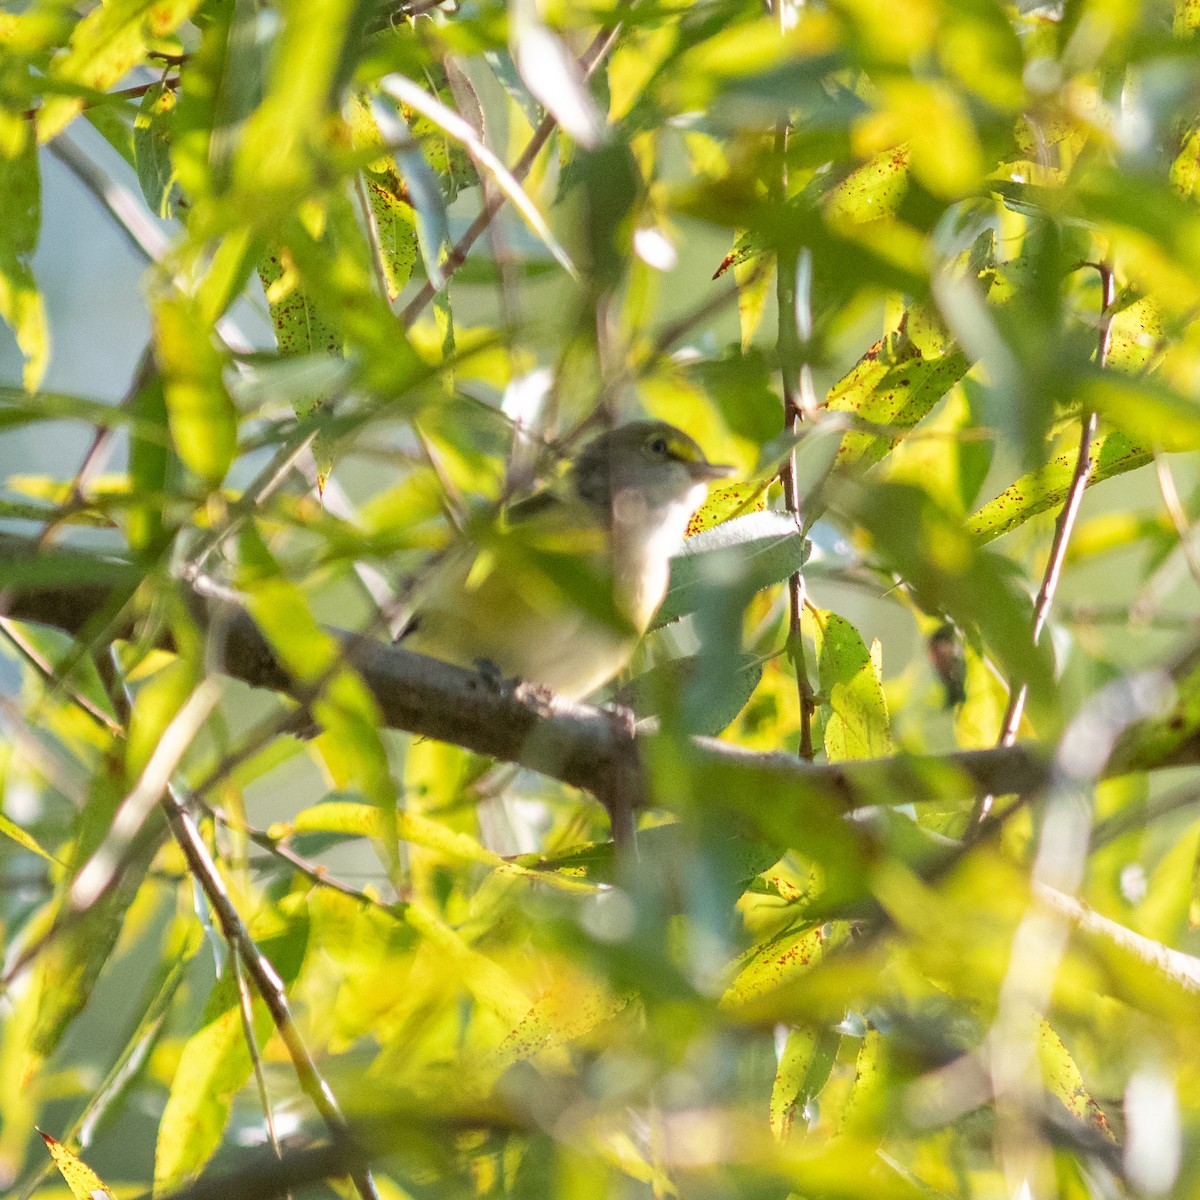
84,1183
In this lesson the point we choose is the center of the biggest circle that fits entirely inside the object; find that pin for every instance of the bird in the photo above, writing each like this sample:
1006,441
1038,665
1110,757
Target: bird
559,587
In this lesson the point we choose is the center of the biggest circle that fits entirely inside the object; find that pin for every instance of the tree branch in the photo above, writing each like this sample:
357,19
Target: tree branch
577,744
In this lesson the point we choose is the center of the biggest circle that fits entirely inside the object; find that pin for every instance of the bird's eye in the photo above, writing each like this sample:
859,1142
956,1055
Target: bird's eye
659,446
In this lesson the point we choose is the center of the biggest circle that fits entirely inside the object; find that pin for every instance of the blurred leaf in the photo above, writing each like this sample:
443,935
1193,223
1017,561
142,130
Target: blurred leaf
365,820
351,746
149,463
741,556
11,829
201,415
728,682
216,1062
65,568
21,216
949,573
67,970
740,385
1142,408
551,73
105,45
18,407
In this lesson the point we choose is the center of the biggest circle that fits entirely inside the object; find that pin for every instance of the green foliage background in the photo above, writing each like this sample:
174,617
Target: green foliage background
937,239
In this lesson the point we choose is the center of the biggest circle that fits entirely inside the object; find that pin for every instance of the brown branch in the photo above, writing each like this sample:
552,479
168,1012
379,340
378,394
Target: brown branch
574,743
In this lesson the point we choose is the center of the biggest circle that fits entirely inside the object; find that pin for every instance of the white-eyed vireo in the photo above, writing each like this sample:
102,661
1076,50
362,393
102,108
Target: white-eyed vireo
559,589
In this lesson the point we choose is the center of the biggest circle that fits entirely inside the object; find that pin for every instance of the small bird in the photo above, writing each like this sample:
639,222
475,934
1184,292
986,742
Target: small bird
561,586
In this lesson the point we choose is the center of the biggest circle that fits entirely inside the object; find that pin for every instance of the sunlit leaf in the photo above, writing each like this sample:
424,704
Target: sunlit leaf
201,415
1045,489
851,679
84,1183
21,213
104,45
895,384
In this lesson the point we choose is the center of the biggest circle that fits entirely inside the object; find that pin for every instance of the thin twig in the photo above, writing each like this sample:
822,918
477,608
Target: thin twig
52,677
313,872
129,93
119,202
266,981
371,228
246,1008
1122,614
592,57
1065,524
791,321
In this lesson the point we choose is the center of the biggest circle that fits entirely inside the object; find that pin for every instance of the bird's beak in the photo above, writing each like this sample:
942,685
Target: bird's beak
706,471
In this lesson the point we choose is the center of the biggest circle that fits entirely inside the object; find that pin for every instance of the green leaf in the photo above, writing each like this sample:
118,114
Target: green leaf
10,829
895,384
421,187
20,219
804,1068
299,326
740,557
1063,1079
949,573
105,45
19,407
395,219
152,132
25,570
67,970
216,1063
851,680
1046,488
149,460
871,191
201,415
722,685
777,961
83,1182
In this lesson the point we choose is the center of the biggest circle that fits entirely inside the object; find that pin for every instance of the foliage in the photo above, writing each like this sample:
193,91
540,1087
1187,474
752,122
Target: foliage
910,253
